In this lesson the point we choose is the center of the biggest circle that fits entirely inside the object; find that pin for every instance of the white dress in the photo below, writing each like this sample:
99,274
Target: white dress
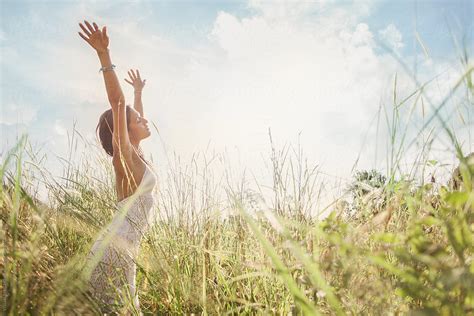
114,253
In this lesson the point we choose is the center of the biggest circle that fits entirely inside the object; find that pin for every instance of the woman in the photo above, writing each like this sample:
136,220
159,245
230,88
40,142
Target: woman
121,129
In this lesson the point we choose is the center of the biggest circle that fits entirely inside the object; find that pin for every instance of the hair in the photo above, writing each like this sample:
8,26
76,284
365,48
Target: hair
105,129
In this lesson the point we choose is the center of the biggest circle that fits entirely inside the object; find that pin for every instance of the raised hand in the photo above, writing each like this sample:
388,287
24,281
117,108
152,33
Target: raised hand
135,80
94,36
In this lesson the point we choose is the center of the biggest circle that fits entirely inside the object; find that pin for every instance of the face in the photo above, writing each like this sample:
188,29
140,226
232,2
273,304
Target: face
138,126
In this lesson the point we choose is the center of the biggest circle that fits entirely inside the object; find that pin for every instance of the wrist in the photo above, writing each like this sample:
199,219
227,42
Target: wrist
138,91
109,68
103,52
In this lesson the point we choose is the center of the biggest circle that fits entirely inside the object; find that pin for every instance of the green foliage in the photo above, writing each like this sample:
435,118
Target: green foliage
365,181
420,260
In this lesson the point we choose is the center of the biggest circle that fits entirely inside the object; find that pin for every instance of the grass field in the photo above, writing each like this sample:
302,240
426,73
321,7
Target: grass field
395,245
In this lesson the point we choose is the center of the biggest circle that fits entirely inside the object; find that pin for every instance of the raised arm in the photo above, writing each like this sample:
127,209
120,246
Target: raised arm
138,84
100,41
121,141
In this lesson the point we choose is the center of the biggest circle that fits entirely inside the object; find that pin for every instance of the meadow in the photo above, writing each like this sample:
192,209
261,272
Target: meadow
393,244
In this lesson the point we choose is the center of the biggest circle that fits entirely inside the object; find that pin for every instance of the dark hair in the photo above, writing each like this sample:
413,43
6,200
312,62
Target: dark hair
105,129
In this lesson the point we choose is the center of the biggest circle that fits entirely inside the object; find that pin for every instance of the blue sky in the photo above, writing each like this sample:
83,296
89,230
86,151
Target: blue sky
432,19
224,72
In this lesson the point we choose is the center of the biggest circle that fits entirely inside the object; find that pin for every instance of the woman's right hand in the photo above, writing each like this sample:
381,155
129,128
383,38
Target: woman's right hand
135,80
94,36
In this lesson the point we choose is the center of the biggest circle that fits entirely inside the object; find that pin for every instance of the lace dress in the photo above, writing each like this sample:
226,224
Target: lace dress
112,280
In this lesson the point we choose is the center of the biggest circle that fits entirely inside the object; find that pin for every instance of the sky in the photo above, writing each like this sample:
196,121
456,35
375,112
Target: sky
222,74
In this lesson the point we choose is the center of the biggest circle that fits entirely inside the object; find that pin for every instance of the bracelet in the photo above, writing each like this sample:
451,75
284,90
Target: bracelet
104,69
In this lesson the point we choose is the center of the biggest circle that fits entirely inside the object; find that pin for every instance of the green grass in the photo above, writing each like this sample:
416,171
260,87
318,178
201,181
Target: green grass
407,246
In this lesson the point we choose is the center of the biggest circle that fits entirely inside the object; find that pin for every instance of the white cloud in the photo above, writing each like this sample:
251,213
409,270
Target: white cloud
295,78
271,70
392,37
280,68
361,36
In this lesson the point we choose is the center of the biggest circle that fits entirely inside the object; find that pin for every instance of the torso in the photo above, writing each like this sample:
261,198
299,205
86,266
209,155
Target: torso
126,184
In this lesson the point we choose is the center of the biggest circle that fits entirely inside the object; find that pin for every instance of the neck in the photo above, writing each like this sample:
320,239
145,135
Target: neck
135,143
136,147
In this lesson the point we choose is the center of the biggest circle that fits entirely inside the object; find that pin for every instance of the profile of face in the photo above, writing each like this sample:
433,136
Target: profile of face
137,126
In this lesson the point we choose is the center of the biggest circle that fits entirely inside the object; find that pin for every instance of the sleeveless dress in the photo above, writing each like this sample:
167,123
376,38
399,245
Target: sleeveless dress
112,280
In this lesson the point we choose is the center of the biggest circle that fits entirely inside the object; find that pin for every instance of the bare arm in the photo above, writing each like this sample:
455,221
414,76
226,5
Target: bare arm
99,40
137,102
138,84
121,141
112,85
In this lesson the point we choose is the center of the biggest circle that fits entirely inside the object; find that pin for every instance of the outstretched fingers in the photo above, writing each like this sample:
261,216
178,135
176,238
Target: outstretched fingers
128,81
83,37
84,30
103,34
92,34
132,75
138,75
91,29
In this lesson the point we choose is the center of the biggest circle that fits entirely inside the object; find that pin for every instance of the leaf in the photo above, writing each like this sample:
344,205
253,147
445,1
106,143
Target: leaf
457,199
389,238
430,221
456,237
404,275
432,162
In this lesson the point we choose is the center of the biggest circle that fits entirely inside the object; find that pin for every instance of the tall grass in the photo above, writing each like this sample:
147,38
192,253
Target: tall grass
221,246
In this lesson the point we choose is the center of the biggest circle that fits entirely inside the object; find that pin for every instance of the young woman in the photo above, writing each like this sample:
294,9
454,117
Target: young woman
121,129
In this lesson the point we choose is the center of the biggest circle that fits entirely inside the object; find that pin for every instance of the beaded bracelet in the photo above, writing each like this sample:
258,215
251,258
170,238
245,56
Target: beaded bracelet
104,69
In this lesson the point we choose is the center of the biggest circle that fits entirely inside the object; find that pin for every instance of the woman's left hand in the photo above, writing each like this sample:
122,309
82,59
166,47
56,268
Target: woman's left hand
135,80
